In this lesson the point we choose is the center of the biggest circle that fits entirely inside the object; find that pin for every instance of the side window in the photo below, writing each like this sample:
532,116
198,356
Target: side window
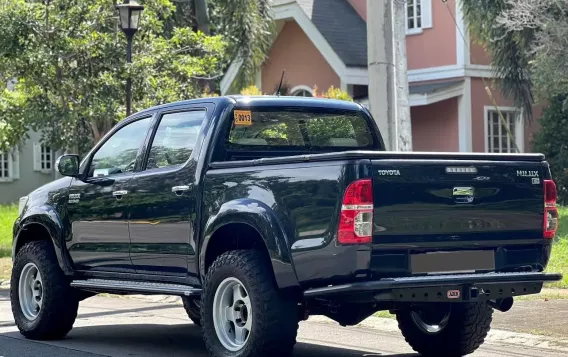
175,139
118,154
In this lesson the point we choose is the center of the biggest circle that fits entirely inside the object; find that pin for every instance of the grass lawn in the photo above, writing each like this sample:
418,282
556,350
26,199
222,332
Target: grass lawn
8,215
559,260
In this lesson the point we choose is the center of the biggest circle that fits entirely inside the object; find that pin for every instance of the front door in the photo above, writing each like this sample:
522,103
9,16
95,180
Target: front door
98,202
163,198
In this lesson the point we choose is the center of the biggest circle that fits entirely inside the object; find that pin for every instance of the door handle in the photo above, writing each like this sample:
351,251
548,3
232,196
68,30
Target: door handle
179,190
118,194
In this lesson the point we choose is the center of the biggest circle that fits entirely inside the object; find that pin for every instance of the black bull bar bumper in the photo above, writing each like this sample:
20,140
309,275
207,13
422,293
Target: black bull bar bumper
453,288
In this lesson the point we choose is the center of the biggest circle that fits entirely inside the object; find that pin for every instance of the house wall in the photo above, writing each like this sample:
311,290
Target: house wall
435,126
304,64
478,55
480,99
361,7
29,179
435,46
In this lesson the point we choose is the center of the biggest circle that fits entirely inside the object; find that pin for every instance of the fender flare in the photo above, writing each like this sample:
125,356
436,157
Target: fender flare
49,219
260,217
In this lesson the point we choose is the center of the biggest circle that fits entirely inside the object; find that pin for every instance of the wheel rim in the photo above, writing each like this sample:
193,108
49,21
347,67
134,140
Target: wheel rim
232,314
30,289
432,320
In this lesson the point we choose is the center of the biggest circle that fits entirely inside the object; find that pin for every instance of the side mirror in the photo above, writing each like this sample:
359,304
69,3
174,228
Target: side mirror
68,165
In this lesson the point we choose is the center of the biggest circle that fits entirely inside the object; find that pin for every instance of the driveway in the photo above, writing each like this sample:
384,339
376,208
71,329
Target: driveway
110,326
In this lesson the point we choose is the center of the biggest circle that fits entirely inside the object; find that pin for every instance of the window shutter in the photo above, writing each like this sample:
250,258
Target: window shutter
37,157
426,7
15,163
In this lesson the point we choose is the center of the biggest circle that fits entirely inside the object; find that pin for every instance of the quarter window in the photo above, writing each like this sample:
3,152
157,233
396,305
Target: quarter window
118,154
175,139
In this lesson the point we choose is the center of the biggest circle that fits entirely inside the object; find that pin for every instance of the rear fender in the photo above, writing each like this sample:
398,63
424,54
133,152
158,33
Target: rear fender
260,217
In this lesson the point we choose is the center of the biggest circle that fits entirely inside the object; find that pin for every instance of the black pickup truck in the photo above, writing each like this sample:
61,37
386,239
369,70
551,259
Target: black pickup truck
262,211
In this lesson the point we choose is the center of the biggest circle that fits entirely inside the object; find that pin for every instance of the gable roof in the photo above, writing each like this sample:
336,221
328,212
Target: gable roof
341,26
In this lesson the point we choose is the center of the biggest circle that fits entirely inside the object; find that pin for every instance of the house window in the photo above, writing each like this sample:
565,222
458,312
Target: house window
414,14
418,16
503,135
9,166
302,91
43,158
4,166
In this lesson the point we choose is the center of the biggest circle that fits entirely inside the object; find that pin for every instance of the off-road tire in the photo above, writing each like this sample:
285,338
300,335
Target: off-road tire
60,301
275,317
465,331
192,307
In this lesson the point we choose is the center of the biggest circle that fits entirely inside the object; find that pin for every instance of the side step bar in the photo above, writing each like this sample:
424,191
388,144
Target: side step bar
123,286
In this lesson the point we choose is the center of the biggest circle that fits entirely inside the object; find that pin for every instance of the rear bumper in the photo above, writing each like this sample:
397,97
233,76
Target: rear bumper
463,287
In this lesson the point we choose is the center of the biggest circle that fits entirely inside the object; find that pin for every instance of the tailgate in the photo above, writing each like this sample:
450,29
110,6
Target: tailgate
421,203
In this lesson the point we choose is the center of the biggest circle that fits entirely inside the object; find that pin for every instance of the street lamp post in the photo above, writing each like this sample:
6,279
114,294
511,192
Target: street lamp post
129,13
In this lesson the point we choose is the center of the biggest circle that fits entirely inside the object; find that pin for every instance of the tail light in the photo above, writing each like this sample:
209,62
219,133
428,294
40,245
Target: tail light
356,218
550,211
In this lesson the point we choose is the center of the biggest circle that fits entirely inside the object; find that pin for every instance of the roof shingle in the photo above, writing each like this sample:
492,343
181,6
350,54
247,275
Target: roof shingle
341,26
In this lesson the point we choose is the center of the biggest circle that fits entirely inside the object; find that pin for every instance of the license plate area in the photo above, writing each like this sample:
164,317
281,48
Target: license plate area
452,262
461,293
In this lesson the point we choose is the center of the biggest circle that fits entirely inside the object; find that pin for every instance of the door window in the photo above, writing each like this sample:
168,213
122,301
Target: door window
175,139
118,154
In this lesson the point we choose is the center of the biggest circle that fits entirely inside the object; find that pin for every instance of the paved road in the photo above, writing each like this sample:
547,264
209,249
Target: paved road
124,327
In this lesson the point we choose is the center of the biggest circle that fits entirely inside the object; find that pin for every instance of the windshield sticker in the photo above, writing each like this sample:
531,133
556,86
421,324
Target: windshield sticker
243,117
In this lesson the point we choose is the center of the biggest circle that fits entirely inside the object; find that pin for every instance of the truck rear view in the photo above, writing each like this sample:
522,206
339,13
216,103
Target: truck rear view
450,237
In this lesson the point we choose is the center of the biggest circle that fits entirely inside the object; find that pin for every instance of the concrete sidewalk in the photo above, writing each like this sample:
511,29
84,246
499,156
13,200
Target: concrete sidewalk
108,326
538,316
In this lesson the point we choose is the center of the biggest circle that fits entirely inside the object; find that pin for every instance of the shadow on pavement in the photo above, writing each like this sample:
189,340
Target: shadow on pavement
4,294
172,341
122,311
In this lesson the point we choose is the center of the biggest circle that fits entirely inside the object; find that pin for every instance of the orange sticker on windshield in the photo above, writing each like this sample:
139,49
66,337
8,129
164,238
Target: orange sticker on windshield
243,117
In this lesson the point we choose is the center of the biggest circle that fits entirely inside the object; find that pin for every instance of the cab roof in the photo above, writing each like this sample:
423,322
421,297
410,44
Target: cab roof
242,101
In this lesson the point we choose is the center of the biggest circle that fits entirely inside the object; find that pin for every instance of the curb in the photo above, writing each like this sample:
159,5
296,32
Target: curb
557,292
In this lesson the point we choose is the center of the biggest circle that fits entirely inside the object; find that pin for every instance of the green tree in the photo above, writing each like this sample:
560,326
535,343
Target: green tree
552,140
509,48
247,25
69,61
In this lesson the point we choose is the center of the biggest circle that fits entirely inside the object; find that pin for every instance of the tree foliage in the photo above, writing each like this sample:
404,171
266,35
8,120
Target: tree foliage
552,140
68,57
333,93
248,27
508,47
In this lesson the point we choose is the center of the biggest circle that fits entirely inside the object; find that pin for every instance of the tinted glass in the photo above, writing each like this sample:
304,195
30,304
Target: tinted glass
300,130
118,153
175,139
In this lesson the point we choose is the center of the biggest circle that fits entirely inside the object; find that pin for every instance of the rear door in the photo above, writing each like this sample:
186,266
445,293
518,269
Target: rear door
444,203
98,204
164,202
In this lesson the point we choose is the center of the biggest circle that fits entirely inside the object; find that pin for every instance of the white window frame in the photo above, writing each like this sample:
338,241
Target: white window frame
39,162
425,16
519,125
13,157
294,91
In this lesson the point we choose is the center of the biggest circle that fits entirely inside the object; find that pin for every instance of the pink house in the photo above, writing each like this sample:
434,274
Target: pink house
323,43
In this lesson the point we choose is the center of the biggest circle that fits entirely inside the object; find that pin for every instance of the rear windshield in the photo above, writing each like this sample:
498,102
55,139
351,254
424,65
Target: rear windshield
299,130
